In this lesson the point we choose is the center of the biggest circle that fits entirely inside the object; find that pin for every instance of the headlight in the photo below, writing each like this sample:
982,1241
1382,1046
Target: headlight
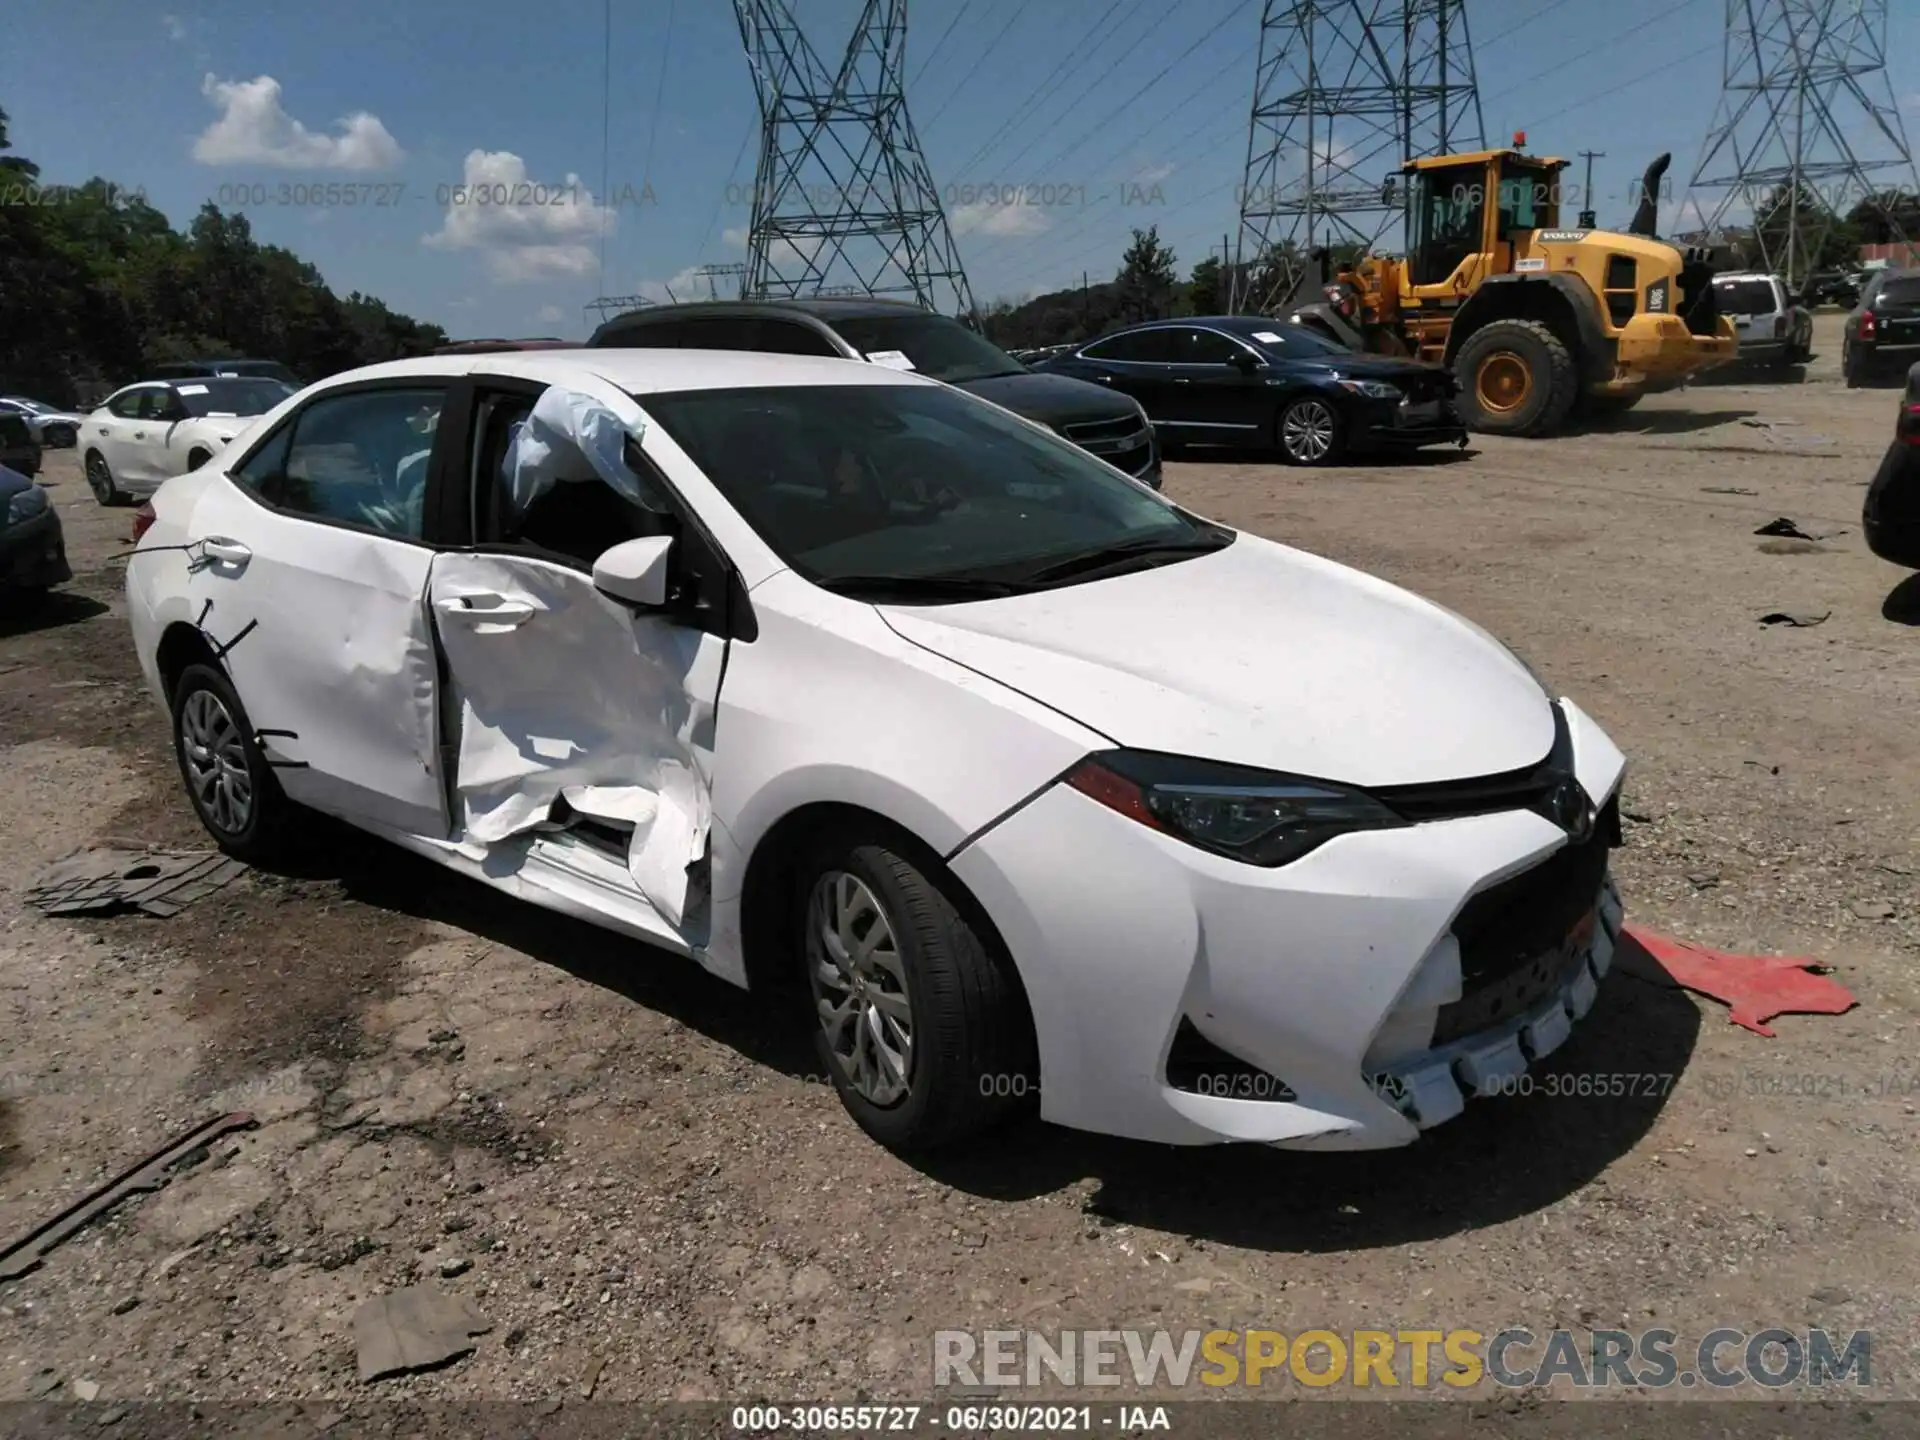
1372,389
1255,816
26,504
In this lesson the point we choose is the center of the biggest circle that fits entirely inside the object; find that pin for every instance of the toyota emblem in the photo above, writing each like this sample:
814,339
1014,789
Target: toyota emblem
1571,810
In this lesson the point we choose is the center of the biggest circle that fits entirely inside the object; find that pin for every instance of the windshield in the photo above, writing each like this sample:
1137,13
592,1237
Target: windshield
936,346
850,482
231,397
1744,297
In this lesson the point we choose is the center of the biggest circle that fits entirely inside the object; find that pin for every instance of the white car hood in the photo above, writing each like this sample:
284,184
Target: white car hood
1259,655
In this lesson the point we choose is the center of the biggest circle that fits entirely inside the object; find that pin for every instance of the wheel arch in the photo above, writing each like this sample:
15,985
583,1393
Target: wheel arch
182,644
769,875
1565,304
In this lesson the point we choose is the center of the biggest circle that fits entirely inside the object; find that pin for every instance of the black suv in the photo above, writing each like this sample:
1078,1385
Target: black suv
902,337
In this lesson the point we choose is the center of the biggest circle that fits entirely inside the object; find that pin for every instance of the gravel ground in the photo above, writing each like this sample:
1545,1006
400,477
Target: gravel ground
574,1133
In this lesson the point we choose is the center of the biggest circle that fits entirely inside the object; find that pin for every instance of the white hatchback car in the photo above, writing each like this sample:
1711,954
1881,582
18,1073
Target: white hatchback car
1038,786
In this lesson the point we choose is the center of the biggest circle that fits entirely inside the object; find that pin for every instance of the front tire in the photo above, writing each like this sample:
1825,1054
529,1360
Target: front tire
1516,378
100,480
1310,431
918,1019
228,780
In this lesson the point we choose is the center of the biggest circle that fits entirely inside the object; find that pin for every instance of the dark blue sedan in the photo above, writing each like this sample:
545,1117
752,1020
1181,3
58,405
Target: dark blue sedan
1250,382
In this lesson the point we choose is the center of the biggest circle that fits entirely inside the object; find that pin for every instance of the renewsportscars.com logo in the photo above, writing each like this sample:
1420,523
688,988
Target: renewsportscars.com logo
1514,1358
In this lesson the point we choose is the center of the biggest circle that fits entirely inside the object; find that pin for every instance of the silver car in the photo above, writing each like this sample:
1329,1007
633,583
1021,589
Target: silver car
55,429
1773,329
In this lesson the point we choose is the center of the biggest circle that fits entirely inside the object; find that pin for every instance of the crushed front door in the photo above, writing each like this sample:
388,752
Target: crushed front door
565,695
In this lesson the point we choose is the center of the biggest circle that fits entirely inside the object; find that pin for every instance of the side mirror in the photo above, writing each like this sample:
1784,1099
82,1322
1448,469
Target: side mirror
634,572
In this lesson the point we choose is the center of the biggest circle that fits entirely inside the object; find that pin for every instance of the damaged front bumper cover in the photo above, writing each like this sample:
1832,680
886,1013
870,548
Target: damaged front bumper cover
1434,1087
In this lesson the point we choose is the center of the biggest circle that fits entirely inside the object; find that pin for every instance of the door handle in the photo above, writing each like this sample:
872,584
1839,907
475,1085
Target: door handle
224,551
1183,379
493,611
139,434
1104,379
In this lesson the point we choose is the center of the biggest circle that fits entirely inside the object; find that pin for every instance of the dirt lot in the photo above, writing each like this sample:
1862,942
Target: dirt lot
633,1172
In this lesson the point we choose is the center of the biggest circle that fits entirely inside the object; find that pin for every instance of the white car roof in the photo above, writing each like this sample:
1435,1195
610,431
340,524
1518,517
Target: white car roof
1743,275
640,371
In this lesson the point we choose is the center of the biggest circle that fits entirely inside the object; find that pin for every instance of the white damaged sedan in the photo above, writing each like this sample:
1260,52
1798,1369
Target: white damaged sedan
1030,784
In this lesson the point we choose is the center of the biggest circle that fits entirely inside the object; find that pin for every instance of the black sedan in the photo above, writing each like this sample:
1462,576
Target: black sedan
1891,517
1262,384
33,552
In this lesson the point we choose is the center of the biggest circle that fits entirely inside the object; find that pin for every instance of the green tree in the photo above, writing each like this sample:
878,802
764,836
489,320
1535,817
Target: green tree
1206,294
1146,278
96,285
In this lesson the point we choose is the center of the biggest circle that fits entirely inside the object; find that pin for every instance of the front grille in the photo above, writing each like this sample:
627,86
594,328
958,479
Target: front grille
1087,433
1513,938
1199,1067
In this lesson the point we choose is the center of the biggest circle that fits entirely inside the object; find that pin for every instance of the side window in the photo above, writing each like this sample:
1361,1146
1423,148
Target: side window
1207,347
785,337
126,404
267,463
1136,345
357,459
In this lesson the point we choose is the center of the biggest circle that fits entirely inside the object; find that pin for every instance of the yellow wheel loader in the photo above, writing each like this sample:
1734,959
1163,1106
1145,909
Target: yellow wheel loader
1537,322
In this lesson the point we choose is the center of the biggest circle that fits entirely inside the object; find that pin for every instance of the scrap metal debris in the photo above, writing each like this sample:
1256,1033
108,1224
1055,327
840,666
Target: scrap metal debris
25,1255
1755,987
108,881
1787,529
1797,618
417,1328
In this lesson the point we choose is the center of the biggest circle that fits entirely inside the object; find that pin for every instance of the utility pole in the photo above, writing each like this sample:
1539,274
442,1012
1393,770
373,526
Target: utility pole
1587,220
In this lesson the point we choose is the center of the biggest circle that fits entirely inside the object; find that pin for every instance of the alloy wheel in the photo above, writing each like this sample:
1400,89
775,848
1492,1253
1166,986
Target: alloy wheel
859,982
1307,430
215,757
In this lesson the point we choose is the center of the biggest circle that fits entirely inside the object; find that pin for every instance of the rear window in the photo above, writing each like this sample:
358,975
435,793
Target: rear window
1904,291
1745,297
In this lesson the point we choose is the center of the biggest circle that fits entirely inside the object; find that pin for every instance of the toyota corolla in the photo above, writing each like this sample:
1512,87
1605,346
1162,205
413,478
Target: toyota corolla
1024,783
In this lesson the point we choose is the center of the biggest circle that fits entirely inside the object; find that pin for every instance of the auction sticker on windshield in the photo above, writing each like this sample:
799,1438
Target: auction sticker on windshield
1267,337
892,359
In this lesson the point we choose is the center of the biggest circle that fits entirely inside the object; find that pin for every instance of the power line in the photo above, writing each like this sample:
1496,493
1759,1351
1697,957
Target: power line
1081,258
974,68
1077,54
753,129
959,15
1135,93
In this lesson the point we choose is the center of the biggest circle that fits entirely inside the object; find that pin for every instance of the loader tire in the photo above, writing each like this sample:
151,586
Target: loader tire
1516,378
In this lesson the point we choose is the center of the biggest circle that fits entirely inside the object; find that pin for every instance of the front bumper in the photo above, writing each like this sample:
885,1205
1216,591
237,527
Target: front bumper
1332,977
1386,425
1661,350
33,554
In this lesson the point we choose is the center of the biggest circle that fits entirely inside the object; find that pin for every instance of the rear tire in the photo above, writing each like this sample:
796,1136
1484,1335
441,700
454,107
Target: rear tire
881,940
228,781
1516,378
100,480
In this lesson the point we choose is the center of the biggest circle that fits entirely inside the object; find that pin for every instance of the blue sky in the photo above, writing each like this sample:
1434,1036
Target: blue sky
232,100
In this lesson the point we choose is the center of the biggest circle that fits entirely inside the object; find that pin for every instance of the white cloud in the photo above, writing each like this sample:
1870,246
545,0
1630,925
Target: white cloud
988,217
175,27
253,129
689,284
735,235
528,230
547,314
465,302
1152,174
